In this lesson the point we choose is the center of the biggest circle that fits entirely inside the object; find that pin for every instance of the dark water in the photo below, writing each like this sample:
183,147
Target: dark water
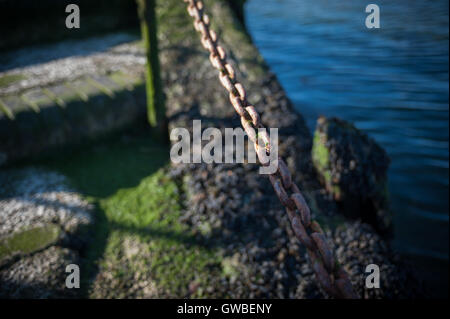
391,82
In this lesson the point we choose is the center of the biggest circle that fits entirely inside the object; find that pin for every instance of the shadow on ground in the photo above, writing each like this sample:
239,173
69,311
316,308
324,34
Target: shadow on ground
138,246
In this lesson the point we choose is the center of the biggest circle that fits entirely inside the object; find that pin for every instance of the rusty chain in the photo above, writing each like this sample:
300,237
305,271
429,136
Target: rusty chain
331,276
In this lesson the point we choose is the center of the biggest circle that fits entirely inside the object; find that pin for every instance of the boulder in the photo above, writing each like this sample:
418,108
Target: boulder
353,168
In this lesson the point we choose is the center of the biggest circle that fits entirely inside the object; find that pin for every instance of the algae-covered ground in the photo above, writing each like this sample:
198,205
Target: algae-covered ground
139,247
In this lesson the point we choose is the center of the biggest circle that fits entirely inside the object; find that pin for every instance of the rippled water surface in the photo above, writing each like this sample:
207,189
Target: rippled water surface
391,82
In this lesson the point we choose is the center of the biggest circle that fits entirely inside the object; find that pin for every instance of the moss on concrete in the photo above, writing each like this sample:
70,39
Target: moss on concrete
147,216
5,110
320,152
9,79
63,95
30,240
126,81
321,157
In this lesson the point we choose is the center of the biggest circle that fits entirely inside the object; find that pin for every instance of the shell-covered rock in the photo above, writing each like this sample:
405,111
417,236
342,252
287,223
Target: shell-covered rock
353,168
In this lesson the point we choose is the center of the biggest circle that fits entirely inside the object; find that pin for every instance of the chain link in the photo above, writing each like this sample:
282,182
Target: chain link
331,276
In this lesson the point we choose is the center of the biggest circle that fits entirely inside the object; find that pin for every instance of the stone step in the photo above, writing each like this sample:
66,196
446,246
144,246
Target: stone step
40,118
65,93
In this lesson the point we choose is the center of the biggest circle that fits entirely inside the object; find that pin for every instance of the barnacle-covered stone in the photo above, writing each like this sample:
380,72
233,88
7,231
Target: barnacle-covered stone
353,168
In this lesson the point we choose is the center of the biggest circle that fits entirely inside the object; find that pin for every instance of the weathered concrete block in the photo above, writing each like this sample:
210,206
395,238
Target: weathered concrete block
24,127
68,113
127,80
353,168
7,128
104,84
73,112
84,89
49,115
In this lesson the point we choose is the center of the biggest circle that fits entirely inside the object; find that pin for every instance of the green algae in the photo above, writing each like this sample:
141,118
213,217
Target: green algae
29,241
9,79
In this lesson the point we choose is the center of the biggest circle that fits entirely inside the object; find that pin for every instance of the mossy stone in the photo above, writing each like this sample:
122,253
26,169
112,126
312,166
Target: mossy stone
8,79
353,168
29,241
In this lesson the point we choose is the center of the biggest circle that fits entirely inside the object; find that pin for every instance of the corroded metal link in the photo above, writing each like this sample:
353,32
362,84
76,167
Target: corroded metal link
260,152
315,227
323,276
303,208
295,189
281,192
344,285
237,104
327,255
253,115
202,28
226,82
330,275
206,19
207,43
222,53
291,214
249,129
284,173
240,90
196,14
231,73
216,61
301,233
199,5
264,137
213,35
